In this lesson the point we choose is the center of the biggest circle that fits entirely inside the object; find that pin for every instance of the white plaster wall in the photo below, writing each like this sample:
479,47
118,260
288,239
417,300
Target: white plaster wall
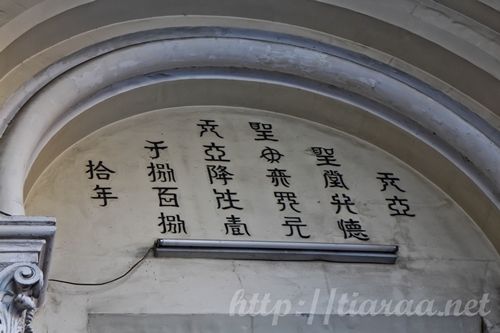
443,255
59,28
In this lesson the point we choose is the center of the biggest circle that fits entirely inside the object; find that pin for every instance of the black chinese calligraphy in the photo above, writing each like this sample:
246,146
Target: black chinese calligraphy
352,229
279,177
226,199
388,179
103,193
101,172
285,199
98,170
215,153
295,225
399,206
271,155
235,227
264,131
208,126
219,173
171,224
345,202
166,196
333,178
155,147
161,172
325,156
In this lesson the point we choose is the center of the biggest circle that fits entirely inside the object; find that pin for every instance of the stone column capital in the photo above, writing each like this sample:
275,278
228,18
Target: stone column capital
25,247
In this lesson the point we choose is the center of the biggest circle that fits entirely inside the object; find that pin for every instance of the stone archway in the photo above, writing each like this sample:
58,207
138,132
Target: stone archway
267,57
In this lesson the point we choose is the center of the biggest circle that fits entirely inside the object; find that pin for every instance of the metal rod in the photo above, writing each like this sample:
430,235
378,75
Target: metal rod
277,245
268,250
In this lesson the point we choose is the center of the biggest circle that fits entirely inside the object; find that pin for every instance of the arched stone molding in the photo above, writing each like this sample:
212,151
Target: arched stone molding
392,32
298,63
418,78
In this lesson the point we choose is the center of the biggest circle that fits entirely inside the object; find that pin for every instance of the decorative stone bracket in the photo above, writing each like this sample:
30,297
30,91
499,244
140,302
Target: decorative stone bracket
25,248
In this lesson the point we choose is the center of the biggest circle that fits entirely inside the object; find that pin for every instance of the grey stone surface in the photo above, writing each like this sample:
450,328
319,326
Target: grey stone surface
451,45
443,255
103,323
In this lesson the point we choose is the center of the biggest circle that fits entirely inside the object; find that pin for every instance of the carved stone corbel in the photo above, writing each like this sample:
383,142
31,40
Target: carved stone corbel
25,247
20,286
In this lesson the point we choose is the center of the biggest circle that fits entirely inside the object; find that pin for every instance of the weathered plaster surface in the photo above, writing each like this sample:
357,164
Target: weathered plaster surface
443,254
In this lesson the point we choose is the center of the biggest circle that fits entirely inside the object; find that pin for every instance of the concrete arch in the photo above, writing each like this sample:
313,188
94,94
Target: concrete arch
393,32
417,78
399,99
